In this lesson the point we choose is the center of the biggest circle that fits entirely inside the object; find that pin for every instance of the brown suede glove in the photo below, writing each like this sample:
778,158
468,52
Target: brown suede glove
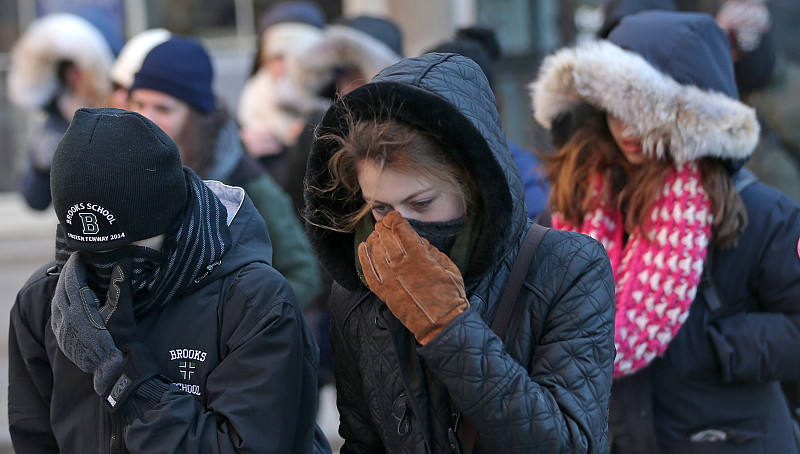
421,286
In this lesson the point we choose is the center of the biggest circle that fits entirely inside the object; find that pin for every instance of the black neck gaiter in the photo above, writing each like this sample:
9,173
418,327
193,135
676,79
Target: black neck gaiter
100,264
441,235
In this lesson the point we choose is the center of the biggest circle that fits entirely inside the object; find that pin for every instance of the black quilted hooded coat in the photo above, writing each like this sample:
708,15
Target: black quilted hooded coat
547,389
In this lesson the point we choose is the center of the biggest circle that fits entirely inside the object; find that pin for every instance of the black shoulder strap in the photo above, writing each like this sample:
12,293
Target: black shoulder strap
741,180
706,286
505,309
519,270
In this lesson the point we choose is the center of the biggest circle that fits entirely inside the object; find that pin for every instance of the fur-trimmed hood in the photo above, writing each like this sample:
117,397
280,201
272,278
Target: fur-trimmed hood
668,76
260,105
313,67
32,80
448,96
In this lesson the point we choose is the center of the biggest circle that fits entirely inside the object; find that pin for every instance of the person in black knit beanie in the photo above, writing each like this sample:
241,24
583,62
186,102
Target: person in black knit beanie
160,299
107,193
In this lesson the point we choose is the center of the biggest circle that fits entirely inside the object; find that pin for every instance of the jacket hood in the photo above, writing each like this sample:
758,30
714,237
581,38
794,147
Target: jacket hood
261,104
312,69
249,238
448,96
33,79
668,76
615,10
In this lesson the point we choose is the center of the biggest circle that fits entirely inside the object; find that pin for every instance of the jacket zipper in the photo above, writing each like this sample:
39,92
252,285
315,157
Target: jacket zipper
111,432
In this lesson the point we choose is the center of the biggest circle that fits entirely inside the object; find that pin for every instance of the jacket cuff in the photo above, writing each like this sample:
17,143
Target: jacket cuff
146,397
451,331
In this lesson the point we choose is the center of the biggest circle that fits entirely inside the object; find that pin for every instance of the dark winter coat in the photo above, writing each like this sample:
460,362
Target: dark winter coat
292,255
533,181
241,360
546,389
34,184
722,370
716,388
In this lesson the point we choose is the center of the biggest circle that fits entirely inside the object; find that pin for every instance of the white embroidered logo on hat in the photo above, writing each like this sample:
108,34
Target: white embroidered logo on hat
97,223
89,221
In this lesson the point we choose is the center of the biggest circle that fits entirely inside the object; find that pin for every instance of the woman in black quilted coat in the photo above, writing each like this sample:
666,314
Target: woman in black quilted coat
415,207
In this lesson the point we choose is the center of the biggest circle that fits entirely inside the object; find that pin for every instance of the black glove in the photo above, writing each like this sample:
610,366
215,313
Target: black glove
79,328
117,313
83,331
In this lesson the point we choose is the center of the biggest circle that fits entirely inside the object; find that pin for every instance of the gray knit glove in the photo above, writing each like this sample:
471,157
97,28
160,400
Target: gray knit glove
80,329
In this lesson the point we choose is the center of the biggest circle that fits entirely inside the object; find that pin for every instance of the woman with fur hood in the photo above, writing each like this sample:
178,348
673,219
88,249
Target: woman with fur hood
650,140
60,63
415,207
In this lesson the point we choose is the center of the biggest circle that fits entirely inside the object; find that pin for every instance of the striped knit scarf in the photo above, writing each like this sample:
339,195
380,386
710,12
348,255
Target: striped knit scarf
191,251
656,272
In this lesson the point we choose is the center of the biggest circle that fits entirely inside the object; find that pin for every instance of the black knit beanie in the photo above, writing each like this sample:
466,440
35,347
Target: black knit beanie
116,178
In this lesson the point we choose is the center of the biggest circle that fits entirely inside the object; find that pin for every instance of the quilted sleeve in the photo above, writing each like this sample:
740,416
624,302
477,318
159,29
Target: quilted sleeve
355,425
558,401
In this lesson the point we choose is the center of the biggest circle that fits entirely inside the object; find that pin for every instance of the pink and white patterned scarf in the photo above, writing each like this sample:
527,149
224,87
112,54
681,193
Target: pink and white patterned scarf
657,272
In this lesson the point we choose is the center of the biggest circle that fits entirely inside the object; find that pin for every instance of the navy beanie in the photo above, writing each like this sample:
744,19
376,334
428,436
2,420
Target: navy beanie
479,44
299,11
116,178
383,30
181,68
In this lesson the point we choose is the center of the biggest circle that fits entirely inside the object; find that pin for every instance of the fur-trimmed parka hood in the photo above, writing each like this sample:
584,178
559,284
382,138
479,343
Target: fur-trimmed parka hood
448,96
33,79
668,76
313,67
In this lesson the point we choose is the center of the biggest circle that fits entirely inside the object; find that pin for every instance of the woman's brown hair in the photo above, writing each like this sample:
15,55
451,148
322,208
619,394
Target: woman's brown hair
393,144
591,150
198,138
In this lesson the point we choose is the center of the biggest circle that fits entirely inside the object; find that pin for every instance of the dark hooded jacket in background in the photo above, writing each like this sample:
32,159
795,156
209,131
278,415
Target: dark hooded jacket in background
615,10
716,388
481,46
546,389
230,163
234,345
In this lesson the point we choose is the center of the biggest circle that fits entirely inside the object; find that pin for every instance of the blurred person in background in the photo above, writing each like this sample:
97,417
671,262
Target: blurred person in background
650,142
59,64
173,88
268,128
480,44
350,52
130,60
770,83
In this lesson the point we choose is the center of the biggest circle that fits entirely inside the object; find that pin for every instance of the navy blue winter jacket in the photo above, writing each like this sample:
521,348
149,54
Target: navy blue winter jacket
235,346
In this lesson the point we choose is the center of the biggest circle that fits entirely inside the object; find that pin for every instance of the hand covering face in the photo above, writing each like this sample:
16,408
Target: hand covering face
421,286
98,339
